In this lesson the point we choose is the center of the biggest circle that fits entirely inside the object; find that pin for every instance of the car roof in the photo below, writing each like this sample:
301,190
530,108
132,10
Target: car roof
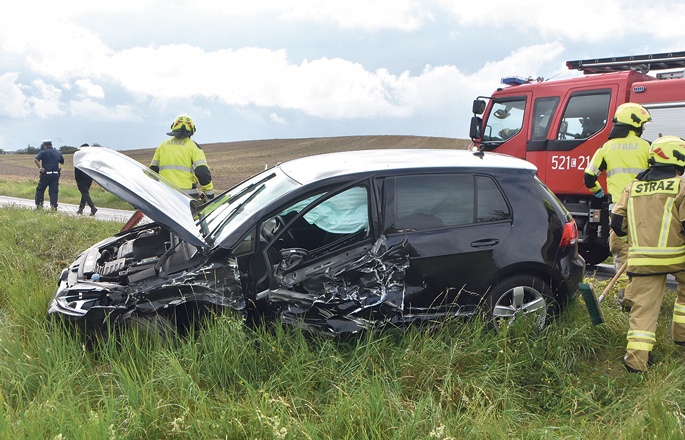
314,168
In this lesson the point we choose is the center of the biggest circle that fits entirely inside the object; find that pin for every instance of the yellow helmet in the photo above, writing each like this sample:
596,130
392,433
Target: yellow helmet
668,150
632,114
182,125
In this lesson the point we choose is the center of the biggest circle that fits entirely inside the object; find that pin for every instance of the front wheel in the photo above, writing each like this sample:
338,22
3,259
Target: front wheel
518,296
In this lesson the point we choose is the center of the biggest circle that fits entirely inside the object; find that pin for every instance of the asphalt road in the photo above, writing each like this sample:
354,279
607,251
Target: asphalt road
106,214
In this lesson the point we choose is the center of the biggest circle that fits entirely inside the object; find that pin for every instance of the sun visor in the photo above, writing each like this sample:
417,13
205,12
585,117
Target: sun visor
146,190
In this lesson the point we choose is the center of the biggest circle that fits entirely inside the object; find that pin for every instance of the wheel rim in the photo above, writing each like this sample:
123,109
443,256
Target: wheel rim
520,301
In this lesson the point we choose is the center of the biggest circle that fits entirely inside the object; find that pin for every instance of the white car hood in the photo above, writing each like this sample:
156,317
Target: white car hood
146,190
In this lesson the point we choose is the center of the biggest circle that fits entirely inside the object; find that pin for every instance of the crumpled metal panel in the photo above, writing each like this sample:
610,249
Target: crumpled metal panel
366,292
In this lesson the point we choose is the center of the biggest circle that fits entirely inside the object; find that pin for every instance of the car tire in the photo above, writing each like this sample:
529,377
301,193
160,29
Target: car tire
154,326
520,295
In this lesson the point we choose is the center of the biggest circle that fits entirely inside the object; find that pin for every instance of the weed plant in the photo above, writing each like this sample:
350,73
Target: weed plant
458,380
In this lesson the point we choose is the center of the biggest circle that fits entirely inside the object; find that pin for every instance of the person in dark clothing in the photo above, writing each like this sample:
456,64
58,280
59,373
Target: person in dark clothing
83,182
49,173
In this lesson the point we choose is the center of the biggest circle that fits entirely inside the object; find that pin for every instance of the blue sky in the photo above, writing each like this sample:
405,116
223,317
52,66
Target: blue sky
118,73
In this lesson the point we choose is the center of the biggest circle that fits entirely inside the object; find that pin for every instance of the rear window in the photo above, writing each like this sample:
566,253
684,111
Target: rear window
446,200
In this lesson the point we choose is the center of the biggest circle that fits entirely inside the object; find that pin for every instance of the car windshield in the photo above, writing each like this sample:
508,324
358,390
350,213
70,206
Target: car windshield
224,214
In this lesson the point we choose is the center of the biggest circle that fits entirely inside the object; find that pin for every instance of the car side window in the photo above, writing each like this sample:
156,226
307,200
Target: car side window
435,201
586,114
345,215
446,200
492,206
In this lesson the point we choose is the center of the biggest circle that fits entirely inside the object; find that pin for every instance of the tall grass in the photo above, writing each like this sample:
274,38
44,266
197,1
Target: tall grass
224,380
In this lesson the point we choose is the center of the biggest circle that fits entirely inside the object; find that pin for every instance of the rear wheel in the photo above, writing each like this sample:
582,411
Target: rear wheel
518,296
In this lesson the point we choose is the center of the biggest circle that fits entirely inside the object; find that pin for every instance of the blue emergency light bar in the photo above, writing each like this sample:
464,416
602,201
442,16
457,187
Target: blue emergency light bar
514,81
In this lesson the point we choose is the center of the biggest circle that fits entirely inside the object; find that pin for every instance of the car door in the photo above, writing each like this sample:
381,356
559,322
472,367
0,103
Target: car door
311,239
455,225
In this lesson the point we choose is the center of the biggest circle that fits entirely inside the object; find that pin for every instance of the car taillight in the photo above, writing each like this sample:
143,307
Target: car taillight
570,236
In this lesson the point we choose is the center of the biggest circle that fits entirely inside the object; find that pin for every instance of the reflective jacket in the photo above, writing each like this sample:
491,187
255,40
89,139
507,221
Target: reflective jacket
183,163
654,212
622,158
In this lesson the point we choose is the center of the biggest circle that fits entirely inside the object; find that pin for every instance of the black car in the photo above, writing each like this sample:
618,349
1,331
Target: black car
334,243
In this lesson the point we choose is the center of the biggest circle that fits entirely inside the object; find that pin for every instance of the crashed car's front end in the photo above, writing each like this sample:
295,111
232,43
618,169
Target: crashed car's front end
143,272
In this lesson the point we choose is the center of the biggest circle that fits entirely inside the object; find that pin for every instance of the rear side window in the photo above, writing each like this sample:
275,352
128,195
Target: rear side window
446,200
543,111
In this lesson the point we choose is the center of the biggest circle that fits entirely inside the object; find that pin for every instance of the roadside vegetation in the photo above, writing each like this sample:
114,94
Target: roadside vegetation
459,380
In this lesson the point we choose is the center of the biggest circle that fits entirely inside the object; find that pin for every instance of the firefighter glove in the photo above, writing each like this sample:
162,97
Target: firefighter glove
599,194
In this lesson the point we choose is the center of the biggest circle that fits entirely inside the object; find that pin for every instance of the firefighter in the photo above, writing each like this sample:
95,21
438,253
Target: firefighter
622,156
182,161
651,213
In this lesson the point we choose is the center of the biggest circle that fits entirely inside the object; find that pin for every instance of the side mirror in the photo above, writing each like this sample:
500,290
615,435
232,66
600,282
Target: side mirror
478,107
476,130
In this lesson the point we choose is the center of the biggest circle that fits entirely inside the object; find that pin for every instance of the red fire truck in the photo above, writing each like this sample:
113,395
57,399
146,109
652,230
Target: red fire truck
558,125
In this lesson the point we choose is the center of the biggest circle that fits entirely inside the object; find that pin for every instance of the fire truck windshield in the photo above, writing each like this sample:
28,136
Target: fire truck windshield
504,120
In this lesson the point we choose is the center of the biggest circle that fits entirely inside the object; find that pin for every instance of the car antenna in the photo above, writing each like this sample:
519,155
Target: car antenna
477,151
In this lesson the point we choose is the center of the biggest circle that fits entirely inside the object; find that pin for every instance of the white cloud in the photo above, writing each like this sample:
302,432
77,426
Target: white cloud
277,119
90,110
88,89
405,15
581,20
19,100
12,99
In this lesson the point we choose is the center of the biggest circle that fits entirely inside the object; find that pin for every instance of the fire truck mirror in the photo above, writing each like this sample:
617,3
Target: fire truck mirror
476,128
478,107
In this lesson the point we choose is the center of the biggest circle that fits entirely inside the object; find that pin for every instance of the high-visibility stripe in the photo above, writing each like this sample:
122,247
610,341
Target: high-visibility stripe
641,334
593,170
176,168
665,220
155,162
631,222
679,307
680,319
198,163
644,346
624,170
636,261
657,250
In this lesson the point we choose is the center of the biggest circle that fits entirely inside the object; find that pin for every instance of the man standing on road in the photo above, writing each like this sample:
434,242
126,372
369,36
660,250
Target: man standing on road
83,182
623,156
182,161
49,174
651,213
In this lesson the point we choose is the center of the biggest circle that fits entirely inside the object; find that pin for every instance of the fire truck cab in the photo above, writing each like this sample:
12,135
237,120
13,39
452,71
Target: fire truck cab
558,125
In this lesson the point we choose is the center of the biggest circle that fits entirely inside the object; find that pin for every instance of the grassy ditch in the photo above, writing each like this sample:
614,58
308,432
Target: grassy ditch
460,380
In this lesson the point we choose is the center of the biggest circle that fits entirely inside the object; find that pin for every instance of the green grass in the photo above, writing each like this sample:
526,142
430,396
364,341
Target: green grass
458,381
67,194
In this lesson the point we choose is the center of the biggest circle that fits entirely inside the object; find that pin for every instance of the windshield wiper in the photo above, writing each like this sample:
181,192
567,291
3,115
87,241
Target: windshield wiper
237,210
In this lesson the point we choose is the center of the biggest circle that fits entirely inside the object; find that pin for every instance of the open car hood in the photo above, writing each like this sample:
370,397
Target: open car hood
146,190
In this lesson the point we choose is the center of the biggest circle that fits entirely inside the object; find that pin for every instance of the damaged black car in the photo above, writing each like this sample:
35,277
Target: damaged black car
334,243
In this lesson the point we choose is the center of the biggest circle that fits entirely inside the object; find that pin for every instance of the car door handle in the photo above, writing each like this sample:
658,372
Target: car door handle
485,243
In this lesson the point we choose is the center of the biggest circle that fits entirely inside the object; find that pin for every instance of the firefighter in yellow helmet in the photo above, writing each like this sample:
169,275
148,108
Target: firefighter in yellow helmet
182,161
651,212
622,157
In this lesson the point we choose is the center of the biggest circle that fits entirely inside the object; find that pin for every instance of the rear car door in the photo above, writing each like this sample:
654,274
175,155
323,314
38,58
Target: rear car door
455,226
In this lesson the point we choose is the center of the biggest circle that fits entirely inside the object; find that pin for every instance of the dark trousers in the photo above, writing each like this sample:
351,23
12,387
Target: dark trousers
50,181
85,196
